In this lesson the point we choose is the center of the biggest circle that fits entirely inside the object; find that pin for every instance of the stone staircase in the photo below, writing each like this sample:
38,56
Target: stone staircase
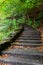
25,50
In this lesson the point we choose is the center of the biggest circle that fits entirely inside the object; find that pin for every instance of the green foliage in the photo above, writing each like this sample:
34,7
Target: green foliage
29,22
32,3
15,24
21,20
8,7
36,24
14,8
7,26
40,15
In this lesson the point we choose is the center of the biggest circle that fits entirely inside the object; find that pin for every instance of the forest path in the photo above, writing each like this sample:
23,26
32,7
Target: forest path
26,50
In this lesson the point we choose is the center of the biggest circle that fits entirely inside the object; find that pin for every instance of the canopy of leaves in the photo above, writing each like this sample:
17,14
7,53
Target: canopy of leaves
14,7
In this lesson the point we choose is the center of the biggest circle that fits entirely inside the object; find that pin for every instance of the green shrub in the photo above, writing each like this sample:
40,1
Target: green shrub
40,15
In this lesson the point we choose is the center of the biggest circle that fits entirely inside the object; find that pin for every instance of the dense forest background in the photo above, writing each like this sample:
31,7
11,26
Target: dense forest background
28,12
14,13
